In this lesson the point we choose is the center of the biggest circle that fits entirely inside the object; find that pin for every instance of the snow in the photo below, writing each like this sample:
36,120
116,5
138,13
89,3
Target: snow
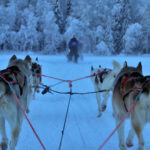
84,131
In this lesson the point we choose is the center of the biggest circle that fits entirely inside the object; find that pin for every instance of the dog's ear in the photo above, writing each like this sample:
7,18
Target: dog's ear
125,64
92,68
13,58
139,67
36,59
28,59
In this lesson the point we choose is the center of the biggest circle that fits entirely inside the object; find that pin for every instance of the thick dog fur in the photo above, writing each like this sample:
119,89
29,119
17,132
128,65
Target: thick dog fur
140,115
104,81
9,109
36,72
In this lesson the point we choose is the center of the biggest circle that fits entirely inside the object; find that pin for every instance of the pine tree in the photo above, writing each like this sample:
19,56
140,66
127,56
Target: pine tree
62,10
121,19
145,21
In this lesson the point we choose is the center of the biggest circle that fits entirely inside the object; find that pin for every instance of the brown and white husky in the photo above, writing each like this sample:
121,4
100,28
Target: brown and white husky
104,79
15,78
131,87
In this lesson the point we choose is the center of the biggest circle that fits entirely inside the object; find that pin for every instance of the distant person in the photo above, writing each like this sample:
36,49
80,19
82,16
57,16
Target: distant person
73,46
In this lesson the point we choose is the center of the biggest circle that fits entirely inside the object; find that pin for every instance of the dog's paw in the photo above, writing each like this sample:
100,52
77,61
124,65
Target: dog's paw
99,115
103,108
129,143
27,110
3,146
122,147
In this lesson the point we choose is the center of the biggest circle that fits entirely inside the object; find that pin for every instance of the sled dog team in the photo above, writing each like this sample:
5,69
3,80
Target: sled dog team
129,86
20,78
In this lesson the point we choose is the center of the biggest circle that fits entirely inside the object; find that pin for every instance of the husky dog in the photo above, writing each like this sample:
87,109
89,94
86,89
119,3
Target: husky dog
35,81
36,73
16,78
103,79
131,88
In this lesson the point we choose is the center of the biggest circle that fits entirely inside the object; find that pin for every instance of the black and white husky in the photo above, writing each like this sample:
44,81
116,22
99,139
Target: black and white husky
104,79
36,73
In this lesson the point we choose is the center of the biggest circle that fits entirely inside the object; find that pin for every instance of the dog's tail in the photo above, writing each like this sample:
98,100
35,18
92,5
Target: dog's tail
2,88
116,65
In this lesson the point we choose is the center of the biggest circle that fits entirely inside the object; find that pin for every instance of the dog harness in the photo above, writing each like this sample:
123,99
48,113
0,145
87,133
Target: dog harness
101,74
37,70
10,76
134,76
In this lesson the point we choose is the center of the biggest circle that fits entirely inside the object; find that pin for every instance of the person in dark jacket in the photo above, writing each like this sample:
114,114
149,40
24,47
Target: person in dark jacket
73,46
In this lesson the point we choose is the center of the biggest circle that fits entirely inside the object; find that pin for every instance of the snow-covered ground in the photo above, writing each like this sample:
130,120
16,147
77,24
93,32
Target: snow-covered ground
84,131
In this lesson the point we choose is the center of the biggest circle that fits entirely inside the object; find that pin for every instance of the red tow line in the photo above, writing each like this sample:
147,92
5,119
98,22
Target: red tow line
21,108
67,81
17,100
118,126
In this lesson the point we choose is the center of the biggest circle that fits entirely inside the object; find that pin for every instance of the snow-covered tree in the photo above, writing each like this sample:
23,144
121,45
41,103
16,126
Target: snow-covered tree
62,11
48,25
7,19
96,17
51,33
133,38
145,22
120,21
99,34
48,32
102,49
137,10
4,2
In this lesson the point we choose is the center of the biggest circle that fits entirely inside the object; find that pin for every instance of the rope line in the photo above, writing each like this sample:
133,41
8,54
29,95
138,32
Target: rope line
66,116
49,90
67,81
84,77
79,93
21,108
118,126
79,129
58,83
54,78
